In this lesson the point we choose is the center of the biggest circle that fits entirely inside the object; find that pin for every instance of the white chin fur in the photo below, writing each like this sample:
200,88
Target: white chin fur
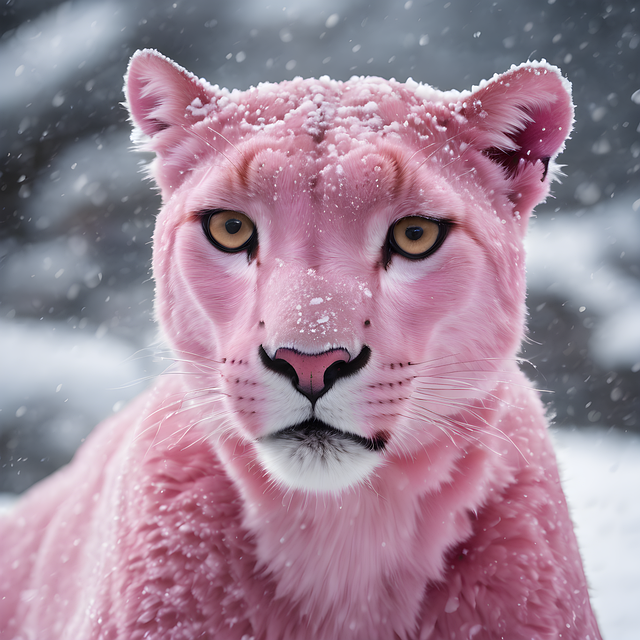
329,464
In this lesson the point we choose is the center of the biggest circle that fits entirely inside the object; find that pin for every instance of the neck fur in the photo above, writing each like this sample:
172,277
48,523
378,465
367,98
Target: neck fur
372,549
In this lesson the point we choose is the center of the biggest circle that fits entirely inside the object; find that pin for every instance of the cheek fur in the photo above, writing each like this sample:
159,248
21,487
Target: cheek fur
218,282
201,291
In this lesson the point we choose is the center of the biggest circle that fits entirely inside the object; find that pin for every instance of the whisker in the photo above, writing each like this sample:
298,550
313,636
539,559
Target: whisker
190,130
450,421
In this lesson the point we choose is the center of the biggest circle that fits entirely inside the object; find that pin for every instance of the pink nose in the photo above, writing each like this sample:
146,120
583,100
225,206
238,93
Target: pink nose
311,368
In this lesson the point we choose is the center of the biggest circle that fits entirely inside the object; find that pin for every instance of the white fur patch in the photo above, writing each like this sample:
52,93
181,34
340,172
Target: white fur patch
321,462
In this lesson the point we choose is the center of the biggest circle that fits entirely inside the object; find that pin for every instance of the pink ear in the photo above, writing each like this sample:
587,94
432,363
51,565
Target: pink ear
165,101
522,119
159,91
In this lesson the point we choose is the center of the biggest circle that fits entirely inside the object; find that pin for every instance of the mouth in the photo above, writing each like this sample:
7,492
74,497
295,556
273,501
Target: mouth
314,456
320,437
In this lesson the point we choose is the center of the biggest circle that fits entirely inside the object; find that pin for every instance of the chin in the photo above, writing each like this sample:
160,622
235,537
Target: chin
315,457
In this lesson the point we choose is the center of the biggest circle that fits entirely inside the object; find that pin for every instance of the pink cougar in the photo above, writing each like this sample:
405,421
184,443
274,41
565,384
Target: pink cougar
345,448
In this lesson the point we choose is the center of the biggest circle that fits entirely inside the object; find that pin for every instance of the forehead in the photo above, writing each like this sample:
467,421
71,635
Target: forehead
339,114
365,138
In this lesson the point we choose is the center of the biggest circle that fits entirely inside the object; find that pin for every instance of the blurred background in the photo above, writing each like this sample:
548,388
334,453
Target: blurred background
76,214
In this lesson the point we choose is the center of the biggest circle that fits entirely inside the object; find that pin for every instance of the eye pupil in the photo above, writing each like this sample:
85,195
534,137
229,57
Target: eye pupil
414,233
233,226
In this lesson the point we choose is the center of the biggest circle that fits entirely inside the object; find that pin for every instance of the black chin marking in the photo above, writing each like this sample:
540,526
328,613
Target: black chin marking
315,433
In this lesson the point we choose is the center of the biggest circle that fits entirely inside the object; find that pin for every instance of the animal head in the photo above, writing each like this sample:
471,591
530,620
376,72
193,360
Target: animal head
339,265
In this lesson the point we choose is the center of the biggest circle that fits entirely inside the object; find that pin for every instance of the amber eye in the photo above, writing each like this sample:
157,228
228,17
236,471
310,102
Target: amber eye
229,231
415,237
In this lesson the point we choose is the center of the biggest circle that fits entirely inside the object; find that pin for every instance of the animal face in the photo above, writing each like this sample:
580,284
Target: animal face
339,266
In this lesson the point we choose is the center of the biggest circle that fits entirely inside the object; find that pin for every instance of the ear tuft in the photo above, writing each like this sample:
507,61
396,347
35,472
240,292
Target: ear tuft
158,92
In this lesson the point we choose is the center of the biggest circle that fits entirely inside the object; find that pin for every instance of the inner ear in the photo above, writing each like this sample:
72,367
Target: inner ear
522,116
530,143
159,93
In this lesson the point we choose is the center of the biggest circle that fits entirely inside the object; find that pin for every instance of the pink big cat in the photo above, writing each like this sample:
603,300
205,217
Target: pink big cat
345,448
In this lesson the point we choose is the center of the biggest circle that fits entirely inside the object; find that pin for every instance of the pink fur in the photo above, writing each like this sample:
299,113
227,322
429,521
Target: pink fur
186,516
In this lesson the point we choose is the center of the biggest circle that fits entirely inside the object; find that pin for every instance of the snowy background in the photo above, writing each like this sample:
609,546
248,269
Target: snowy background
76,217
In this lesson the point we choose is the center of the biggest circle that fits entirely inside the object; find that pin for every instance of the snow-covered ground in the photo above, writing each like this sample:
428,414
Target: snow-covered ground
601,476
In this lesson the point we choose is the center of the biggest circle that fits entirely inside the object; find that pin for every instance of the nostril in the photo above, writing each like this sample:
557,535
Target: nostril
342,369
278,365
314,374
